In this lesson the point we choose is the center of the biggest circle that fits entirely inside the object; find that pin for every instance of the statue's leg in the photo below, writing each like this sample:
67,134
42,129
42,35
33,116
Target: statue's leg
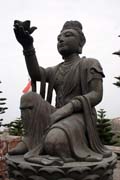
35,115
56,144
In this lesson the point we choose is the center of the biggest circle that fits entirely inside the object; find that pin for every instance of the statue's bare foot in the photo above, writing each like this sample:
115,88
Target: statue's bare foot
20,149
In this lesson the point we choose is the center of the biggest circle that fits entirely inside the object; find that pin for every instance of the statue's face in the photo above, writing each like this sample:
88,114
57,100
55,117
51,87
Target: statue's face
68,42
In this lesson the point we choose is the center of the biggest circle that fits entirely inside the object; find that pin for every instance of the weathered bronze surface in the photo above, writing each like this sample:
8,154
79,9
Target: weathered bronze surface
67,132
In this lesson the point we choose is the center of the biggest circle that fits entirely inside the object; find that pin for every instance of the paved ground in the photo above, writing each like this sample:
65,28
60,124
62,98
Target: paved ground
116,175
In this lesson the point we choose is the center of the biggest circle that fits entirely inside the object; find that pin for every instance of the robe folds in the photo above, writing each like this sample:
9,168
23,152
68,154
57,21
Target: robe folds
70,81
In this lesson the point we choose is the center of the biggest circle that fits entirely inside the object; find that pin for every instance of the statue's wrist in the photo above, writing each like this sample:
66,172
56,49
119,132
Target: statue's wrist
28,47
29,52
76,105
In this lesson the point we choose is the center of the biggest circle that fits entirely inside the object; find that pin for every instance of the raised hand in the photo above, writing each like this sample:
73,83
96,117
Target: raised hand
22,32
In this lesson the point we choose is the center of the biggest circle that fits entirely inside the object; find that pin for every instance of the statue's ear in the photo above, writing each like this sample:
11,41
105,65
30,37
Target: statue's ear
80,49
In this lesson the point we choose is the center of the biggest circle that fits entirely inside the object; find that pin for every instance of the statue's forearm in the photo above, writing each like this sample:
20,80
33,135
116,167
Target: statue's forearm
61,113
95,92
32,63
94,95
93,98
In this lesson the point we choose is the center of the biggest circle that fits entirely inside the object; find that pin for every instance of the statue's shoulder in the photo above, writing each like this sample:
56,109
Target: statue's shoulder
89,60
92,65
52,70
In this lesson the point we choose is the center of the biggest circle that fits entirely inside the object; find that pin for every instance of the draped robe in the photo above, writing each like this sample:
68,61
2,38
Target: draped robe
70,81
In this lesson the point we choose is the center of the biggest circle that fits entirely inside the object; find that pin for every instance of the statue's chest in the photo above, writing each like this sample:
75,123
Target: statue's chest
67,78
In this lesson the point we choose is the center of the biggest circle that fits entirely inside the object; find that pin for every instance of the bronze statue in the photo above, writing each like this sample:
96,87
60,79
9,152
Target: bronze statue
66,132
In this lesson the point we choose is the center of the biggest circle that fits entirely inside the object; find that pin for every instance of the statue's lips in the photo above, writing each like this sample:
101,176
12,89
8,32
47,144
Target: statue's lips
61,45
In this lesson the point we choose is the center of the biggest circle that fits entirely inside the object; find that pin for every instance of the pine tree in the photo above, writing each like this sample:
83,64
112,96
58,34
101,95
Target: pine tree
118,77
3,108
16,127
118,82
105,128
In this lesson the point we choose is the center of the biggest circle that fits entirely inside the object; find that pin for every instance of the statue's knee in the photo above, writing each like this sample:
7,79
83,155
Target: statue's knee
49,140
55,140
29,96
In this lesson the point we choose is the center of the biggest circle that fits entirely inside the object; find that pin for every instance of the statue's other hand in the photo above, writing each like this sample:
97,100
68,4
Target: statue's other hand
61,113
56,116
22,32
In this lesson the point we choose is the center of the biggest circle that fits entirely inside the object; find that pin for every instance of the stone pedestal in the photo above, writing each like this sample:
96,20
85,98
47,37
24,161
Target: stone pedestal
19,169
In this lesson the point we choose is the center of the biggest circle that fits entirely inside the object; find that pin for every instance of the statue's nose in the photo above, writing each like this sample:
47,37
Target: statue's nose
61,39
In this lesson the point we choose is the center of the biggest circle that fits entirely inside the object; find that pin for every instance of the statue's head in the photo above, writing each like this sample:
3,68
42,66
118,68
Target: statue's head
71,38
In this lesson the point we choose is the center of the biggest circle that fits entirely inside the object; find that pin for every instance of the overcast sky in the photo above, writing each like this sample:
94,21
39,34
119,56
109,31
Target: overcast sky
101,26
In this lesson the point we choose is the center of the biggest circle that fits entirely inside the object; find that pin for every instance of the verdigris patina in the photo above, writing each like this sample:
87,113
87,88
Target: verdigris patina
66,133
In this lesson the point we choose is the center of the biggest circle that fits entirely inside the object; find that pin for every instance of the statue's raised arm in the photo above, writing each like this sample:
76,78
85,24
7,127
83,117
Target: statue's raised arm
23,33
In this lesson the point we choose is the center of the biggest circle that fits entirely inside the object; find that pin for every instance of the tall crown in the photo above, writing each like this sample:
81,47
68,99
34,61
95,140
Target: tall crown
72,25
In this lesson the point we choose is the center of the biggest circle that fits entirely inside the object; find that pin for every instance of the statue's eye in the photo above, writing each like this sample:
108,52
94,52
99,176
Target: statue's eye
68,34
